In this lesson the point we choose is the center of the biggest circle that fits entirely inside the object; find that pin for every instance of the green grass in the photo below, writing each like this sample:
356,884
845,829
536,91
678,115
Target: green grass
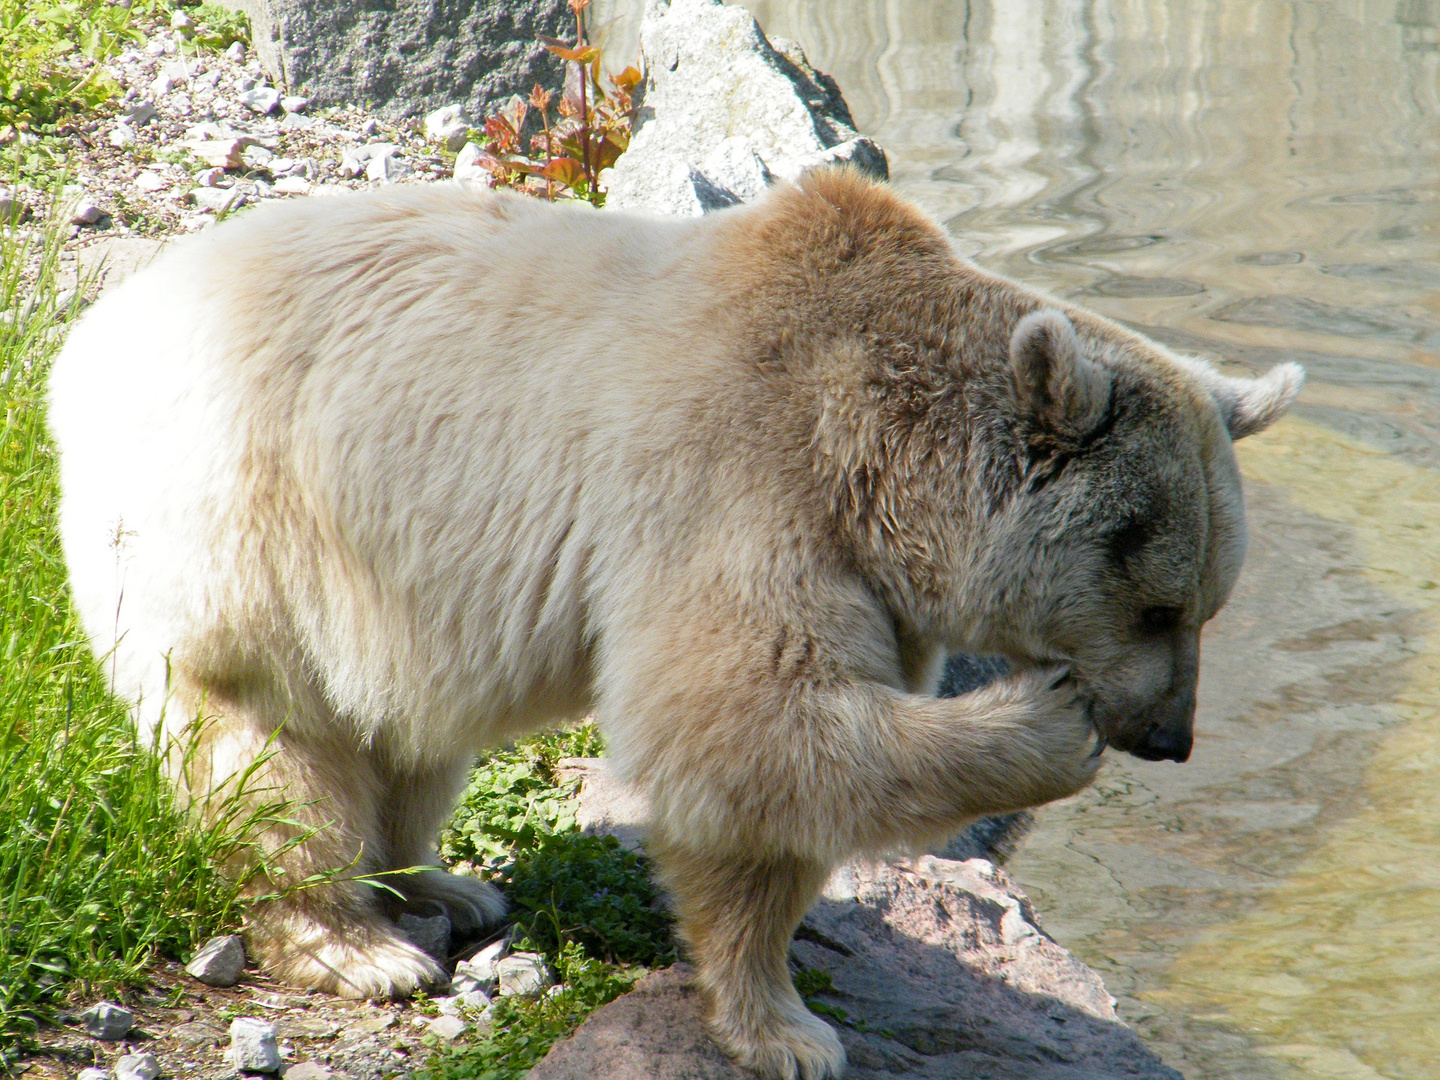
100,872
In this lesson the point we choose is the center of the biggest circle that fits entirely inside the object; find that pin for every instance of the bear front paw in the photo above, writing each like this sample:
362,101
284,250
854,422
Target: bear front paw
1067,747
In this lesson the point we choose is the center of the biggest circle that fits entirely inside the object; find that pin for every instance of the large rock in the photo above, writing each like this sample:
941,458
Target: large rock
723,111
939,970
407,57
939,965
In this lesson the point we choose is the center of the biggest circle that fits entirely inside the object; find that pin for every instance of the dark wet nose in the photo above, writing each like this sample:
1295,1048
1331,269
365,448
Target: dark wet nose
1165,744
1170,733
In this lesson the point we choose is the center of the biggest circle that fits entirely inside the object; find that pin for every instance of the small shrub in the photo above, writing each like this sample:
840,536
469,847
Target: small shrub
514,799
590,131
591,891
50,56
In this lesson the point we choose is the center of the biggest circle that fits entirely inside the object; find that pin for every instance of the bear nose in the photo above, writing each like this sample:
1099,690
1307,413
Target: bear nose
1170,735
1162,744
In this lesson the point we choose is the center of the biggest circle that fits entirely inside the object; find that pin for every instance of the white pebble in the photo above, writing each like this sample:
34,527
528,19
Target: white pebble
252,1046
448,1027
522,974
137,1067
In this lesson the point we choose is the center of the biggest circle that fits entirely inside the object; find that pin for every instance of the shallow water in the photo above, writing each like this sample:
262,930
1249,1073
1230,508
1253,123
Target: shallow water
1252,181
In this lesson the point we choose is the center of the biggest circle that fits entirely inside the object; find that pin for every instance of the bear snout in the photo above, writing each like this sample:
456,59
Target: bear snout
1171,732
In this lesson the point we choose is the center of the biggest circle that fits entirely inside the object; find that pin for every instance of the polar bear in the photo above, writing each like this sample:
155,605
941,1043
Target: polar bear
371,483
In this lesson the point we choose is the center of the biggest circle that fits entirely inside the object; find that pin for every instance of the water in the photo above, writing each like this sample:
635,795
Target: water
1253,181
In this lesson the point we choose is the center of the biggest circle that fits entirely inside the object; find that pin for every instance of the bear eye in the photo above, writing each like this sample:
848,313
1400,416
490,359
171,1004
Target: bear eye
1160,620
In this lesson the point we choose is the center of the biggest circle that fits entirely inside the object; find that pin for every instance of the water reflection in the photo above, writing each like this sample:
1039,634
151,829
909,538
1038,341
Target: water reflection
1254,181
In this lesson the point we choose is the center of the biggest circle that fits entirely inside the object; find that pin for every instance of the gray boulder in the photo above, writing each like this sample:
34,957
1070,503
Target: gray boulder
939,970
939,964
724,110
407,57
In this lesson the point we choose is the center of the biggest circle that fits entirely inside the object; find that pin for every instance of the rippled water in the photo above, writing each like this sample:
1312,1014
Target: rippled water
1254,181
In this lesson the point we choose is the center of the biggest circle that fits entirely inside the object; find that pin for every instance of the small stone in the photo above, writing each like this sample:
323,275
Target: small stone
307,1070
86,212
180,71
220,960
295,122
463,984
155,47
209,177
473,999
236,52
522,974
373,1025
182,22
122,135
293,103
94,1074
195,1034
12,207
137,1067
431,936
162,85
293,185
368,128
449,126
221,153
448,1027
217,200
150,181
256,156
105,1020
262,99
247,82
252,1046
481,966
139,114
387,169
466,167
485,1021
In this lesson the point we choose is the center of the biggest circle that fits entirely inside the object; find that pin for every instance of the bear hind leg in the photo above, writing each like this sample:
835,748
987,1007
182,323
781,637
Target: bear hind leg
331,936
415,808
738,915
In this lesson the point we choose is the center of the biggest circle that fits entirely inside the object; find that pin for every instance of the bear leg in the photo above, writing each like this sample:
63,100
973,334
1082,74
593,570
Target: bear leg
333,936
738,914
416,806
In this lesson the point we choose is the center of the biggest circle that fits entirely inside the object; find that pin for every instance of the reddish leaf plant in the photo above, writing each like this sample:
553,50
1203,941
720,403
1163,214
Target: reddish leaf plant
590,129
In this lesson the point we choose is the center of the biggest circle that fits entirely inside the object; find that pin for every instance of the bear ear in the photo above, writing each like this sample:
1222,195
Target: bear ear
1249,405
1056,384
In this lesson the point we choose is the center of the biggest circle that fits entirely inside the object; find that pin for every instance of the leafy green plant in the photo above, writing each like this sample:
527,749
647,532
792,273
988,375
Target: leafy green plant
591,891
590,131
50,56
514,799
524,1031
214,26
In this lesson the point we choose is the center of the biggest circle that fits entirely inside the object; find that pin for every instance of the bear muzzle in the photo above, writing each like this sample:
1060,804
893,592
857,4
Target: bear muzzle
1170,733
